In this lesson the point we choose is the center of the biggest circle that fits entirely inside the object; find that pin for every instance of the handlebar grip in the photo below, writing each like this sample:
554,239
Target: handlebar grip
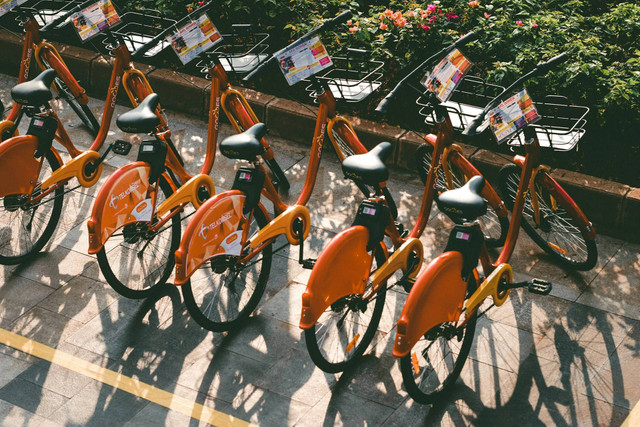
543,67
383,106
466,39
258,70
470,130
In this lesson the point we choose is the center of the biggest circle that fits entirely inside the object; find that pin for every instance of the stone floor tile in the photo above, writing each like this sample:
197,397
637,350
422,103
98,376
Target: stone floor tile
32,397
45,326
18,295
11,368
11,415
56,267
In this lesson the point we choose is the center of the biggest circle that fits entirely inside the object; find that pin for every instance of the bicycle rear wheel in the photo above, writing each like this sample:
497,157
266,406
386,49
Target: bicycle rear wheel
436,360
25,228
344,331
559,233
226,297
138,260
494,227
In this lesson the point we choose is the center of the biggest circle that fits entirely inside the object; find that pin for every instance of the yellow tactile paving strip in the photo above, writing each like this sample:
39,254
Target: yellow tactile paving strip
119,381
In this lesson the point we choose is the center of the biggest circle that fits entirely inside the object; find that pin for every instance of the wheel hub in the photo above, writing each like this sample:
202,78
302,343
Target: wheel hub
134,232
13,202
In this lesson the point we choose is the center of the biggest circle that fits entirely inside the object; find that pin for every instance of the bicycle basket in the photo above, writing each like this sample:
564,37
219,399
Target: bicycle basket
242,50
561,125
141,27
352,78
466,102
46,11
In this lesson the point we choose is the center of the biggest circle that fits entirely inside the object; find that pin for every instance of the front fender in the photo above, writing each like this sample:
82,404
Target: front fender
121,200
342,269
214,230
436,297
18,167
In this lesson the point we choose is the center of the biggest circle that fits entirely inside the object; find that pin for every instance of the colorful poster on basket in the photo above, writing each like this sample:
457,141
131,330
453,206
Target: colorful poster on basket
303,60
446,75
94,19
194,38
512,115
7,5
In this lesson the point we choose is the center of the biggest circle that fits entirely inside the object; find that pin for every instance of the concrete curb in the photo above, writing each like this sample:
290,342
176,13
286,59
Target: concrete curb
614,208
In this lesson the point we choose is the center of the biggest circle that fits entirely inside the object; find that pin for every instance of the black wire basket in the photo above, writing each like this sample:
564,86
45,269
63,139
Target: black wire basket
352,78
242,50
46,11
466,102
561,125
140,27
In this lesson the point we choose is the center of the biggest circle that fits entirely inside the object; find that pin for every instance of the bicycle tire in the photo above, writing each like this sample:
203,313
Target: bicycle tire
12,211
413,366
125,269
494,226
204,306
574,250
336,314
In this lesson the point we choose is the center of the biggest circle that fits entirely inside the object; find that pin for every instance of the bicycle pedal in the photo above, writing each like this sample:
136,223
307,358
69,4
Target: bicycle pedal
121,147
308,263
540,287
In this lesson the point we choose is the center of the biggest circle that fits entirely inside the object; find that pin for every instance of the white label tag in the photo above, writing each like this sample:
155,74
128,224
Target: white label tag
232,244
143,210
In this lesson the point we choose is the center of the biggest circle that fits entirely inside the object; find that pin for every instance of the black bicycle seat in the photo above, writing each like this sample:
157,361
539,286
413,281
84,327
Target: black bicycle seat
369,167
245,145
143,118
464,202
36,92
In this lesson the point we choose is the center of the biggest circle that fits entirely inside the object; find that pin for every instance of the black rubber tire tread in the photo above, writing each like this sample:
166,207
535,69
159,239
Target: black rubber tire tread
49,229
123,288
529,227
357,352
406,365
201,318
424,163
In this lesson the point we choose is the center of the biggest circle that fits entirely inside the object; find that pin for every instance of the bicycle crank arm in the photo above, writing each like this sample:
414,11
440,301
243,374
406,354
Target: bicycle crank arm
491,287
81,167
197,190
411,249
535,286
283,224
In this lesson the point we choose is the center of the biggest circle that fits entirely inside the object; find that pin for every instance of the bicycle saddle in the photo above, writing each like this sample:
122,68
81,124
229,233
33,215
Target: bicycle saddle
245,145
141,119
36,92
465,202
369,167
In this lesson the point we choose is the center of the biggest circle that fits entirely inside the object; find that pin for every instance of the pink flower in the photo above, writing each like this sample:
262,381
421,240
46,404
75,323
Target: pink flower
380,37
452,16
353,29
411,14
474,3
201,3
388,12
424,13
425,27
400,22
383,26
534,26
432,8
519,23
396,15
349,22
487,15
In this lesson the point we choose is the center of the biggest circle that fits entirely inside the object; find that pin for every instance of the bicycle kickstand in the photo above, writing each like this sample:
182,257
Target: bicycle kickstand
297,230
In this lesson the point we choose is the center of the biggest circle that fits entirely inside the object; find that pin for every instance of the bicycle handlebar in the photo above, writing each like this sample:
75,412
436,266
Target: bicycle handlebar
540,69
383,106
328,24
59,20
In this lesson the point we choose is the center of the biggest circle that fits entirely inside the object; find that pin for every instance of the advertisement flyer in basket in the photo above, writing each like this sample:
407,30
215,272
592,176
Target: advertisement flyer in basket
446,75
94,19
194,38
512,115
303,59
7,5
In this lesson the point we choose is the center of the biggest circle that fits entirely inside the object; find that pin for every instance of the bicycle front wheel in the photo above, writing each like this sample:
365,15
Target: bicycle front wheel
344,331
25,226
436,360
136,261
225,298
493,226
558,232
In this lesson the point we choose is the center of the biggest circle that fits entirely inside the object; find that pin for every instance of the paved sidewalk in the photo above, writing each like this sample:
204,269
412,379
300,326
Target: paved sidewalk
572,358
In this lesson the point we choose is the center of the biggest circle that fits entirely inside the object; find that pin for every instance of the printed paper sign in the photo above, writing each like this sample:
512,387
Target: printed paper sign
94,19
512,115
303,59
143,210
194,38
446,75
7,5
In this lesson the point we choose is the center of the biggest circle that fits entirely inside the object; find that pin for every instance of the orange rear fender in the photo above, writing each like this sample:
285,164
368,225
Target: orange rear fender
341,269
18,167
215,230
121,200
436,297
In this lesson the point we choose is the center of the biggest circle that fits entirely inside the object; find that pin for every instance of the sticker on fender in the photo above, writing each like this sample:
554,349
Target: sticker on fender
143,210
232,244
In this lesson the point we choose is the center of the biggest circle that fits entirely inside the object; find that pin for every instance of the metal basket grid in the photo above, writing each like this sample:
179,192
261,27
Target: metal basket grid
352,78
46,11
139,28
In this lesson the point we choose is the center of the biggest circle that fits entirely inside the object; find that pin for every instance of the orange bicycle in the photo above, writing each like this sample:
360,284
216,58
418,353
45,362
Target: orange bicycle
47,57
436,328
134,227
32,188
344,298
231,235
